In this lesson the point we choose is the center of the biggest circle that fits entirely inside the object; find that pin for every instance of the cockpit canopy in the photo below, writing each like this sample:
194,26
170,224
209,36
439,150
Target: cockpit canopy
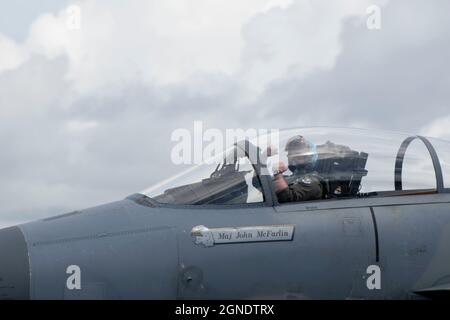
352,163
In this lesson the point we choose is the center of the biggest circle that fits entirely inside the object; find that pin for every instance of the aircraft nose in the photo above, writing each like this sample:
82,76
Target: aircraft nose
14,265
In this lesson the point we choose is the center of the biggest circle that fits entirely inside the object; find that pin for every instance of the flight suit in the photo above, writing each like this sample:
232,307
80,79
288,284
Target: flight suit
304,188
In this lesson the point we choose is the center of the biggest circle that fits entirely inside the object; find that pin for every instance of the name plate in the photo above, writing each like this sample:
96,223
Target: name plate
209,237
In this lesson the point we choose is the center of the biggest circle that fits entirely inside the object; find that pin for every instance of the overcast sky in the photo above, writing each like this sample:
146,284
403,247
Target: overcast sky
86,113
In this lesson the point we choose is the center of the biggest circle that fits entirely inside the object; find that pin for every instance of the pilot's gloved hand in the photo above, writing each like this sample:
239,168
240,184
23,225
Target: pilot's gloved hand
280,182
269,158
279,167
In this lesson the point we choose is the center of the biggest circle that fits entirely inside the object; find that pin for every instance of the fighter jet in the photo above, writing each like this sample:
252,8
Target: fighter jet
381,230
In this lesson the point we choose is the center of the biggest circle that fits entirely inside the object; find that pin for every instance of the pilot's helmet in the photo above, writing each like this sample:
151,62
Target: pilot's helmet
301,153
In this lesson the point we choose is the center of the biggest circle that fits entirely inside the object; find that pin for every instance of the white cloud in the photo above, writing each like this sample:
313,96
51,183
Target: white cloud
76,126
297,40
168,42
439,128
11,54
158,42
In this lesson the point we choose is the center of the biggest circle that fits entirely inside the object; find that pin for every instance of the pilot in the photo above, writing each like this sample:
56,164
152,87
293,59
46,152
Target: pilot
304,184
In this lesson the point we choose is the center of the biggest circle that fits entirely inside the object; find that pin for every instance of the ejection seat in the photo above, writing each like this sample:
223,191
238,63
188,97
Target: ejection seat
341,170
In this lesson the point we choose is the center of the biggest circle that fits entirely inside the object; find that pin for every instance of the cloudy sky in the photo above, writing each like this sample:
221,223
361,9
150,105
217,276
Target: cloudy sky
88,105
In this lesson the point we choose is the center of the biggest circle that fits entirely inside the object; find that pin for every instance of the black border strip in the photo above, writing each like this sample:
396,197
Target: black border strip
377,247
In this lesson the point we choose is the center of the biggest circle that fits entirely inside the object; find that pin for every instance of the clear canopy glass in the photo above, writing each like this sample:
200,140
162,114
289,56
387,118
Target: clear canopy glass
351,162
229,178
381,148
